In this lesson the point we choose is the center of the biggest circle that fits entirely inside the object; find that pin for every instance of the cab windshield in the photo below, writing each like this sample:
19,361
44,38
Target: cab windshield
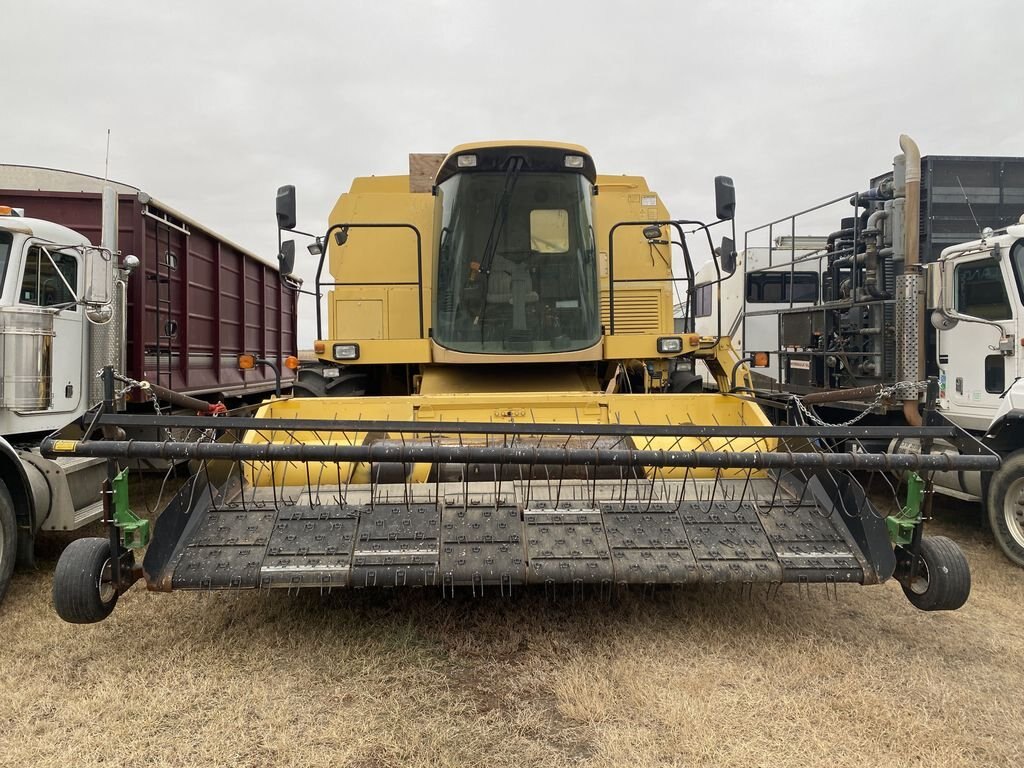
516,269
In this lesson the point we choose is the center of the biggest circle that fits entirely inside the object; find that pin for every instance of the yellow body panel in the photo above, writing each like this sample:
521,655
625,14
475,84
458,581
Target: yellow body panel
643,347
509,408
640,307
382,261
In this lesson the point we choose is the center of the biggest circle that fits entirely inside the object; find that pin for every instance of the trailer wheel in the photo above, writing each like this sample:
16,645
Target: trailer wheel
943,580
83,591
8,539
1005,507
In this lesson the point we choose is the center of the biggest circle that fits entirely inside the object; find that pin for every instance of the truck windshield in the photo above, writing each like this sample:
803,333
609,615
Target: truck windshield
6,238
516,268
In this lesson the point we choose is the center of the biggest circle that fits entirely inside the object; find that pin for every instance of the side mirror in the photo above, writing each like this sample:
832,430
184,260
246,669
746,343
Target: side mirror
99,277
286,207
725,198
933,286
727,255
286,258
943,322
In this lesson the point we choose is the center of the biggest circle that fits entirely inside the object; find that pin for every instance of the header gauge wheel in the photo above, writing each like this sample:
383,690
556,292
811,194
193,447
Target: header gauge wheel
943,578
83,588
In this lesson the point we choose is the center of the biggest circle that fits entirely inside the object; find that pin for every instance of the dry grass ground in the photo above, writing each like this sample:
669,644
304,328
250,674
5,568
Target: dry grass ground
678,678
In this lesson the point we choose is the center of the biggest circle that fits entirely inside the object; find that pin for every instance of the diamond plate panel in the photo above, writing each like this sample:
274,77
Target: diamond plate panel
576,539
398,522
212,567
739,571
809,547
655,566
481,524
567,547
717,512
234,528
729,542
482,545
651,531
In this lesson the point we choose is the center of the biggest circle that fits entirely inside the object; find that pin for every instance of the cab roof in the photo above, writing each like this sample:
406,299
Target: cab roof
538,156
44,230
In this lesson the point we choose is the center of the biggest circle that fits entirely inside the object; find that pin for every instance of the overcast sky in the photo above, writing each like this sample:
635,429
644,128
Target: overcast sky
213,105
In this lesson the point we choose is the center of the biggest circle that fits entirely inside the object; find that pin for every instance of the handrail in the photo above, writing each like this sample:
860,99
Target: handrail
366,225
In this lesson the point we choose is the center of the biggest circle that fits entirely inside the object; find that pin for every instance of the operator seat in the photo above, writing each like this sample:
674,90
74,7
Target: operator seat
510,283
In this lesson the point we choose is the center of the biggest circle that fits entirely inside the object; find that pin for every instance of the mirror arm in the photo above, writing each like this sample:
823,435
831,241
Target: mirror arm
297,232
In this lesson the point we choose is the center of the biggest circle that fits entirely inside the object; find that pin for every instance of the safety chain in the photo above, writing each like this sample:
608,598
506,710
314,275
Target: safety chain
130,384
884,393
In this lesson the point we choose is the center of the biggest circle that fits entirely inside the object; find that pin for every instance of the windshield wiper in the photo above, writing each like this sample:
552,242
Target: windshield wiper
515,165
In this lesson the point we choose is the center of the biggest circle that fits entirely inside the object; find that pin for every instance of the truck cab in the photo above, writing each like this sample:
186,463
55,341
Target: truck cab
42,325
976,294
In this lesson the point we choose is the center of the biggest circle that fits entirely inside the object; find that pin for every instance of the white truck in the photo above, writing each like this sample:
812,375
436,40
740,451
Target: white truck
900,303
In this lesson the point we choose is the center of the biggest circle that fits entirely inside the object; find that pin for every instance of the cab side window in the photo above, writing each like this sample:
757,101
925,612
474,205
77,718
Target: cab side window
42,285
980,291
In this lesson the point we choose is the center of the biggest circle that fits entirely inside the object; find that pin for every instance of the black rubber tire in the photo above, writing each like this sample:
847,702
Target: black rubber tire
8,539
945,583
77,595
345,385
682,382
1004,506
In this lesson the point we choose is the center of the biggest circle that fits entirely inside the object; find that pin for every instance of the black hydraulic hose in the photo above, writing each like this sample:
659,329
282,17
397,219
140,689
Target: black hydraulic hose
735,368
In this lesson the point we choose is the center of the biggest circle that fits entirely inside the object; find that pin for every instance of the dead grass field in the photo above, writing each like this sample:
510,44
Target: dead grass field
679,678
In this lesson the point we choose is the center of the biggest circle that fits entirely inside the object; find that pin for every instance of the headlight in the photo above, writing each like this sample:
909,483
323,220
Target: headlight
670,345
346,351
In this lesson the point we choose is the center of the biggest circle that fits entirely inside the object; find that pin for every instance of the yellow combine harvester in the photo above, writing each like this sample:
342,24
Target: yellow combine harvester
502,400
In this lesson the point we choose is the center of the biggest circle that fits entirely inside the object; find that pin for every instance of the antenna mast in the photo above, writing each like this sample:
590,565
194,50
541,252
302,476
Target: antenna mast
967,200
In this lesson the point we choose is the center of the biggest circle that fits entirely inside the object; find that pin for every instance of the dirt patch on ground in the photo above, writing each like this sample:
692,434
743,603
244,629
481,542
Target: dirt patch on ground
377,680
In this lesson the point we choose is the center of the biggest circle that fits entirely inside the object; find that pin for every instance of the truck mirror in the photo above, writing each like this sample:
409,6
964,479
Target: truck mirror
725,198
286,207
727,255
943,322
286,258
933,286
99,277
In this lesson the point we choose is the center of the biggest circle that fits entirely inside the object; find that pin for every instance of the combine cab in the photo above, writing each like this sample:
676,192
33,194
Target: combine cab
516,413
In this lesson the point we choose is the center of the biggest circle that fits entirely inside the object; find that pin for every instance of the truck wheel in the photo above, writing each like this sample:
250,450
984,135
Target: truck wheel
8,539
1005,507
82,589
943,580
345,385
